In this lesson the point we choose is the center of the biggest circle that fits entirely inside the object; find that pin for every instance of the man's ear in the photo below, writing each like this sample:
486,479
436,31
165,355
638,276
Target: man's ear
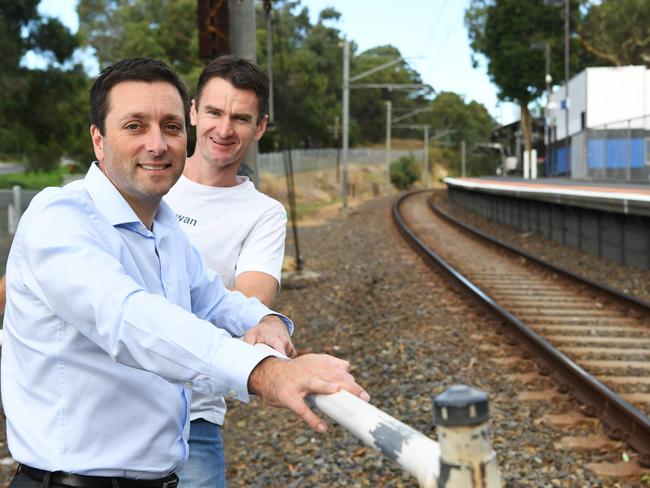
193,114
98,142
261,128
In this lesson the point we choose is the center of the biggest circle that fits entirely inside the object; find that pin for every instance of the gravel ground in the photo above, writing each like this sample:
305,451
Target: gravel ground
409,337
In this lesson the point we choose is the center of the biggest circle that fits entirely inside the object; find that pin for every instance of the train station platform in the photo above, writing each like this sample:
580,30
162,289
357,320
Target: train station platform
611,220
611,197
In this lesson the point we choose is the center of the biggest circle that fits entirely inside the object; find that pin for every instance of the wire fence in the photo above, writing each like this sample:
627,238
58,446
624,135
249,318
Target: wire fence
328,159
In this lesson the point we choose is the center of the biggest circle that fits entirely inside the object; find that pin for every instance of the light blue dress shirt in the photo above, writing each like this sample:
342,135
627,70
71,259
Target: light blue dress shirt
106,325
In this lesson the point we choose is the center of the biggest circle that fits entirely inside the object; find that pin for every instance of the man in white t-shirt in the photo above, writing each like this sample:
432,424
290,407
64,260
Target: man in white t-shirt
239,230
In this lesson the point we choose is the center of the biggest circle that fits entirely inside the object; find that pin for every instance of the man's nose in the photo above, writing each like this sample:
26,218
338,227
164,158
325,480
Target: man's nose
156,143
224,127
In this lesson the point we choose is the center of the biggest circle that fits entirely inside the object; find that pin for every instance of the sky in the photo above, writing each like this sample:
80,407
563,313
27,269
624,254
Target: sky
430,34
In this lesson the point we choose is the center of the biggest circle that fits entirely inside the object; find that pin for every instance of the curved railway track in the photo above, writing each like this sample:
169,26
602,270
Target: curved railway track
594,341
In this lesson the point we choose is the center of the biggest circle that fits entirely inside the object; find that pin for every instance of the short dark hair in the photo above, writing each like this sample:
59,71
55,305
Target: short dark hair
131,69
242,74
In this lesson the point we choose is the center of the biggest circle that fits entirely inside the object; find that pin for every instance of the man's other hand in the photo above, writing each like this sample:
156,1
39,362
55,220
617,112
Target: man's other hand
286,383
272,331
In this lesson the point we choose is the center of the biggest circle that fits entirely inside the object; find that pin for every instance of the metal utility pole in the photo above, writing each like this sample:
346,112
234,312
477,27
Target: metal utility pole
463,159
567,15
346,118
346,102
389,112
269,57
548,79
426,156
242,44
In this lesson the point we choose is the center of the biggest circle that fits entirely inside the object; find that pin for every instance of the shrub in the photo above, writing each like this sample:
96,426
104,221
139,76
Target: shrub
404,172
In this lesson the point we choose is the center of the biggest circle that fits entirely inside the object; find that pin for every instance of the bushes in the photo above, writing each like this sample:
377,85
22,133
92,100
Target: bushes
404,172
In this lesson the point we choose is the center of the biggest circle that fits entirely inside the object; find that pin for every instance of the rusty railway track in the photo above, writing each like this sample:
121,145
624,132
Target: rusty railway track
594,341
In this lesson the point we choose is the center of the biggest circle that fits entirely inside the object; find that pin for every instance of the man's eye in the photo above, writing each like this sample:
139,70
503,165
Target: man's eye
132,126
175,127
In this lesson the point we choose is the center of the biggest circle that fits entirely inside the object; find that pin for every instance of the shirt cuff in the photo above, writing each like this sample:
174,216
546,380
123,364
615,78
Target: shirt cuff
287,321
234,364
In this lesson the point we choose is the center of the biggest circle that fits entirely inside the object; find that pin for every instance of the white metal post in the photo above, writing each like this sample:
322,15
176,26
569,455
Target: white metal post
533,164
14,210
460,413
346,118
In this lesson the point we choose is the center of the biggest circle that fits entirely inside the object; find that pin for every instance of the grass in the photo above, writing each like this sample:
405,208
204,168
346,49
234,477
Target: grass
33,180
307,209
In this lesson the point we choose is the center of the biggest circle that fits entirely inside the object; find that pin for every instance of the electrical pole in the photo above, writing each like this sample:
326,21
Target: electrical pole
242,44
389,113
463,161
548,79
426,156
269,57
346,117
567,14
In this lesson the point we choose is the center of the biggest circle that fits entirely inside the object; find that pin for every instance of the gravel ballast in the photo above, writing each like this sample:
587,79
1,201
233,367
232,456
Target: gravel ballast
371,300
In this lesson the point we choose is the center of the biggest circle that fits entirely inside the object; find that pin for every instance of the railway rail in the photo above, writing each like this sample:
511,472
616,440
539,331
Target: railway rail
594,341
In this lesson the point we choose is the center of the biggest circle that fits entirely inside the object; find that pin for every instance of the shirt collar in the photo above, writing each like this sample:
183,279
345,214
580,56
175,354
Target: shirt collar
110,202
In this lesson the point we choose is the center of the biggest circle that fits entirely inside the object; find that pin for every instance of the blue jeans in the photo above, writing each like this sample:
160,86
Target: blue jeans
206,466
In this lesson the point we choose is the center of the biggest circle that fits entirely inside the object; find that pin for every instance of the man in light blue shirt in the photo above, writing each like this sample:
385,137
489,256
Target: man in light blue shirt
111,313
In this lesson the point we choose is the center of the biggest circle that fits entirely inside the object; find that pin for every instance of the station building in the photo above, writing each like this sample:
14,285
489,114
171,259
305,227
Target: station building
608,136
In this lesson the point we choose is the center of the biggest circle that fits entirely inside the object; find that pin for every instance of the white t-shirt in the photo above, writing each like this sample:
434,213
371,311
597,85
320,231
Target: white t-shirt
237,229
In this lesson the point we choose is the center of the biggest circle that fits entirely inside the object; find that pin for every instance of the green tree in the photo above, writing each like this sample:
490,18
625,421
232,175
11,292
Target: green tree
503,31
453,120
617,32
162,29
307,65
368,105
44,99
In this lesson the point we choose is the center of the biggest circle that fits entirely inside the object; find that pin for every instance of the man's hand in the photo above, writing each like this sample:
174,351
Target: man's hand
285,383
273,332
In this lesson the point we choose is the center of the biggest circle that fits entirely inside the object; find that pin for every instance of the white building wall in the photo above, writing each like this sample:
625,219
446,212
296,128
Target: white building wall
577,104
615,95
607,95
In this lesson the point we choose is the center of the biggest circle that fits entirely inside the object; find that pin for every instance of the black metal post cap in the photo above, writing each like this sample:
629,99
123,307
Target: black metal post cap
460,405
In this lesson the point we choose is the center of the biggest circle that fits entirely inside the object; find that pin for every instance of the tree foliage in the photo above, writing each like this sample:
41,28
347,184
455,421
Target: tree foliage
404,172
308,65
161,29
38,106
504,31
308,58
617,32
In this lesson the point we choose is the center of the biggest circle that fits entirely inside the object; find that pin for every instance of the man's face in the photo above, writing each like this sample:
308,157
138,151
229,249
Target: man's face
226,122
144,146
